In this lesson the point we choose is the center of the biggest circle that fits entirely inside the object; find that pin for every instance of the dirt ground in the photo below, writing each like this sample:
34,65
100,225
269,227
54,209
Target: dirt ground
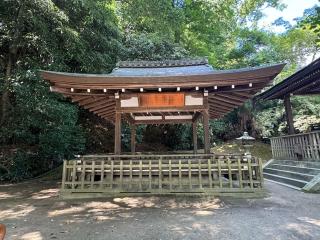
33,211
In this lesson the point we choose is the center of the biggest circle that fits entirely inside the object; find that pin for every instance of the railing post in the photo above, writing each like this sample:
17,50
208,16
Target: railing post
260,172
64,171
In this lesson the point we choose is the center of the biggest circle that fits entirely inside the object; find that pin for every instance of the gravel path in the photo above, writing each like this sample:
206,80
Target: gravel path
33,211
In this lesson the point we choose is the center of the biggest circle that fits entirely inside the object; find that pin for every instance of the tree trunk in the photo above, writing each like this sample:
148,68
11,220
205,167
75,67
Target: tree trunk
5,103
12,58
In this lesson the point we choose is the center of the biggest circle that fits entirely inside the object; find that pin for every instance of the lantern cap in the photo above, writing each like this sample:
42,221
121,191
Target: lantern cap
245,136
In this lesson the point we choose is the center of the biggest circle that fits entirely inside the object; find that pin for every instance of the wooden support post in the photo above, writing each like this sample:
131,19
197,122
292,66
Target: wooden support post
195,137
133,138
206,132
117,134
287,105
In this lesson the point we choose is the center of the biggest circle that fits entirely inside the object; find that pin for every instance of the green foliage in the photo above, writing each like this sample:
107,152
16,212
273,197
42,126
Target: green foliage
39,128
73,36
150,47
311,21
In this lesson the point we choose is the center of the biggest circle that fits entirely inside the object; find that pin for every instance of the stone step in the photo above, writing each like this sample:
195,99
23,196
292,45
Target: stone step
297,169
289,174
289,181
283,184
307,164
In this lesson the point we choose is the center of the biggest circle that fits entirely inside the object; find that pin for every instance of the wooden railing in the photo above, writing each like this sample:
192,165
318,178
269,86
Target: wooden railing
202,173
297,147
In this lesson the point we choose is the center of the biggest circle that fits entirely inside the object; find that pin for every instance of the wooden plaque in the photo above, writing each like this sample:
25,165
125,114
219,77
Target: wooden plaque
154,100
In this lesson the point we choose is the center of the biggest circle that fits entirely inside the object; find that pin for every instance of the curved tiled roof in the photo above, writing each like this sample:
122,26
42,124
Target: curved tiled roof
164,63
227,89
303,82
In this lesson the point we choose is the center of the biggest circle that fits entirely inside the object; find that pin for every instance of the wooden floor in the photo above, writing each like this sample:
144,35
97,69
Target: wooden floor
161,174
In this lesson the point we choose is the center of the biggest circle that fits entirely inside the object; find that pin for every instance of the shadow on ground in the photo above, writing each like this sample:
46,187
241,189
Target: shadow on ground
33,210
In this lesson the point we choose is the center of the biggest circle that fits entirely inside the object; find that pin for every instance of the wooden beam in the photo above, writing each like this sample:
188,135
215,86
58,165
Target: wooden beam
232,97
133,138
287,105
215,113
117,134
103,105
90,100
221,108
239,88
206,131
226,100
109,114
171,121
95,103
195,136
171,109
213,102
196,116
79,98
107,109
218,111
129,118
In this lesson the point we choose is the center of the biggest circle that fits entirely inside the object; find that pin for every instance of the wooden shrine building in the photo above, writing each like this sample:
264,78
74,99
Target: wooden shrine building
296,156
304,82
160,92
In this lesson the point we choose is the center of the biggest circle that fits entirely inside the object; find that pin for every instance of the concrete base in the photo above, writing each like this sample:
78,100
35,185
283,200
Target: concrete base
259,193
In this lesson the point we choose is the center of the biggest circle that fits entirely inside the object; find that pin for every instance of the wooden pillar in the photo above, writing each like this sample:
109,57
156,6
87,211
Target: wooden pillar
195,136
117,134
206,131
287,105
133,138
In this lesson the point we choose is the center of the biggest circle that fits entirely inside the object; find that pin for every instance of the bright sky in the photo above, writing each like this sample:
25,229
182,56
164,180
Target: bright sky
293,10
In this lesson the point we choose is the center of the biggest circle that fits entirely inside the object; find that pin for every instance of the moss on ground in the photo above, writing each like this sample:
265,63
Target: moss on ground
259,149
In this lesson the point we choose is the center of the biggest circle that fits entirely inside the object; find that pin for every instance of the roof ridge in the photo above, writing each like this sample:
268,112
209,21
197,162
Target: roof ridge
162,63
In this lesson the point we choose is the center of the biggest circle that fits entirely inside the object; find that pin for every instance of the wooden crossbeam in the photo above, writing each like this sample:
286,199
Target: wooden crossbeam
106,112
226,100
106,104
232,97
218,111
196,116
96,103
214,103
110,114
163,121
106,109
90,100
78,98
221,108
164,109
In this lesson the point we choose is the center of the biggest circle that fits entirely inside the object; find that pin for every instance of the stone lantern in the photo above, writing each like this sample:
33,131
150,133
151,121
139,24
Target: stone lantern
246,141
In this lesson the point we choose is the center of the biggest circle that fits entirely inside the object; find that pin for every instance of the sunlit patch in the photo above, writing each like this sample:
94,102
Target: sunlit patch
210,204
4,195
206,204
32,236
310,220
178,230
103,218
203,213
69,210
74,220
197,226
47,193
16,212
300,229
135,202
125,215
101,206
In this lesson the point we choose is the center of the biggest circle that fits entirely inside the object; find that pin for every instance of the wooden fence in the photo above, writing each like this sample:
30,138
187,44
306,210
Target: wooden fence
162,174
297,147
